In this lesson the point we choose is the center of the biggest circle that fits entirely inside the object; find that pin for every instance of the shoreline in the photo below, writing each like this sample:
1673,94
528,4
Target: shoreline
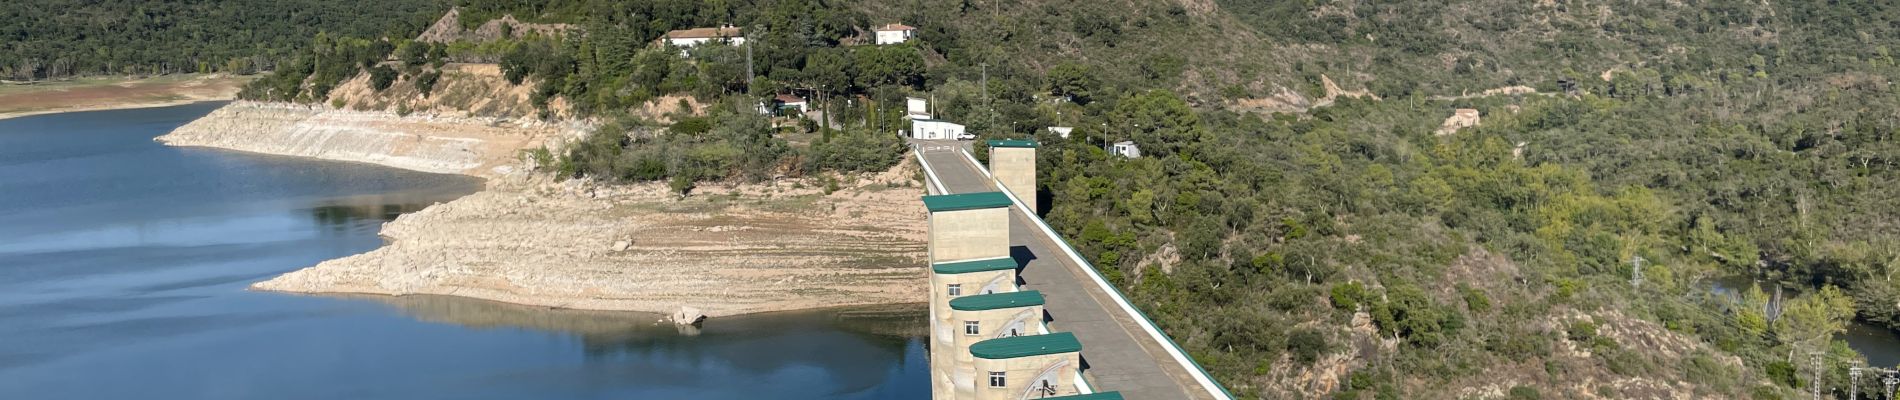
104,93
424,142
530,240
738,250
661,317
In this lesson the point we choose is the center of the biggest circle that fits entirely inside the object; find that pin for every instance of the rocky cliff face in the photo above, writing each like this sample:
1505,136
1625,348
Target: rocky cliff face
460,145
449,29
473,122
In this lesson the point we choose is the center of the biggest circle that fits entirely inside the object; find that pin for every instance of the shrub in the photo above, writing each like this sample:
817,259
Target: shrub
543,159
425,82
854,152
1475,300
1346,296
381,77
1524,393
692,126
1781,372
1306,345
1582,331
680,184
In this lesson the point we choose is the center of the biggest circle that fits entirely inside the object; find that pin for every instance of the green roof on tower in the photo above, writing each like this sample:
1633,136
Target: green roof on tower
964,267
1026,346
966,201
1023,143
1091,396
997,301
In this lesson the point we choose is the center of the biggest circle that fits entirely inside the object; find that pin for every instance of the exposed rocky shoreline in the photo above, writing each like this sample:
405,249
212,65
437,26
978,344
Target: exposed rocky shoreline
576,244
484,147
639,248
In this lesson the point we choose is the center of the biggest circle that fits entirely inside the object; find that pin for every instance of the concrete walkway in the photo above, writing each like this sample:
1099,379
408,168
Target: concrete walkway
1118,355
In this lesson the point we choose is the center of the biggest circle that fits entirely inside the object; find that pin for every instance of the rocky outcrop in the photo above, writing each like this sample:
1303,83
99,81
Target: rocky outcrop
449,29
1460,119
460,145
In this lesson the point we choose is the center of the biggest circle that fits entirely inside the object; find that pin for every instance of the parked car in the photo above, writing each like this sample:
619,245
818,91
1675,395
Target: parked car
966,136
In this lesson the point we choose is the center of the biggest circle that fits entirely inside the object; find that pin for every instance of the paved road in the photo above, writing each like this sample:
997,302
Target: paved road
1118,354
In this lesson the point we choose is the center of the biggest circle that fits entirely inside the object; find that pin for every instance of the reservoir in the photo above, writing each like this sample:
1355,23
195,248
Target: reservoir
1878,344
124,263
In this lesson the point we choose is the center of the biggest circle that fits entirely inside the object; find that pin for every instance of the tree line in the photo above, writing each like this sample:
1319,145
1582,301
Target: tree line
50,39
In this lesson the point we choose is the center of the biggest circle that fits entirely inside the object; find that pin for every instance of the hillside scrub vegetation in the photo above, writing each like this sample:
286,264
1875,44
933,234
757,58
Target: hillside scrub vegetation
1295,223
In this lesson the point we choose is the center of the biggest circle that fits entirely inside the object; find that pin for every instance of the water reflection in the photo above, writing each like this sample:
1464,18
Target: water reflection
1881,346
345,211
856,347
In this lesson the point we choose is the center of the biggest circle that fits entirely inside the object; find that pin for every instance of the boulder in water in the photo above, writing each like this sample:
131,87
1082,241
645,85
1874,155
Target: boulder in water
688,315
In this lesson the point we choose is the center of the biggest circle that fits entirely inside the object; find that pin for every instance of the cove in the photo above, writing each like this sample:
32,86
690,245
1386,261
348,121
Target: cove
123,267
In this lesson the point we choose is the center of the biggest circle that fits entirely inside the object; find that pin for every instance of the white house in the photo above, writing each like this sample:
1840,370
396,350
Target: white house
697,36
1062,131
915,108
1127,149
934,129
790,101
895,33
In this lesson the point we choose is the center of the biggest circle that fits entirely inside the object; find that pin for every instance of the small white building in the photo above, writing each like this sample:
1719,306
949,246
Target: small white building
687,38
789,101
1062,131
934,129
894,33
915,108
1126,149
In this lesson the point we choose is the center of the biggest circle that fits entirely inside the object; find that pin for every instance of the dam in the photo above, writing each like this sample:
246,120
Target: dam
1015,311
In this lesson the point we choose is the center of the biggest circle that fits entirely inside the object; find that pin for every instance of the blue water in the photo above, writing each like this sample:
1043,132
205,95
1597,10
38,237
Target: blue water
123,265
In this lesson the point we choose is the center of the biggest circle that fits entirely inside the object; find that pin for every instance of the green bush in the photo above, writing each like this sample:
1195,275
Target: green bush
1781,372
691,126
1307,345
1524,393
1475,300
1582,331
1346,296
381,77
854,152
425,82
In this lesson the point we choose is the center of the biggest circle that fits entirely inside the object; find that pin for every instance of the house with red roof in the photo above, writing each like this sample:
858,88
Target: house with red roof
894,33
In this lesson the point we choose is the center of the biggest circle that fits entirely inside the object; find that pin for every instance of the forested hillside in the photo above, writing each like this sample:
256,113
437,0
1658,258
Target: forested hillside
41,39
1709,139
1298,239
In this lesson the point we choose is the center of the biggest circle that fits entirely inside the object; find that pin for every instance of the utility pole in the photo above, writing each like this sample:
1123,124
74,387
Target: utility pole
989,111
1853,389
1814,388
748,65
